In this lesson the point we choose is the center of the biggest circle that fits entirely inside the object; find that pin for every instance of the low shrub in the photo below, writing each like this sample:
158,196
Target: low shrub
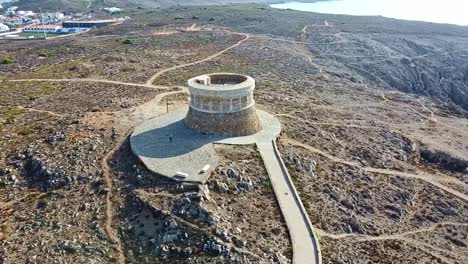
127,42
7,60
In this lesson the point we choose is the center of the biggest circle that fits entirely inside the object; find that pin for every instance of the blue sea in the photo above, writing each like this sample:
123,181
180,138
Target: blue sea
446,11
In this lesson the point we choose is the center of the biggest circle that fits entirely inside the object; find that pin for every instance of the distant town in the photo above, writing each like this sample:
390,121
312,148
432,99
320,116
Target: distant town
18,24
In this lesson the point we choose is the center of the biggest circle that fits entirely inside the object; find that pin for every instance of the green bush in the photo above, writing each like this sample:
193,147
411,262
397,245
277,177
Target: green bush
46,53
41,204
7,60
127,42
288,252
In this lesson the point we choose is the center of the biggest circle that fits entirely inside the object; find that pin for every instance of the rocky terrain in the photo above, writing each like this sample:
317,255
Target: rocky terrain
166,222
413,57
378,153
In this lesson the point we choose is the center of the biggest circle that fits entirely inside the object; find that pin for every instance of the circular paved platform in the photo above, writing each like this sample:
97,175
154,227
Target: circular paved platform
167,146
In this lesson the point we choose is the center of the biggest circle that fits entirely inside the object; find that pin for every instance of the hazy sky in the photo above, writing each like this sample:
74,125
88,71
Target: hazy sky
441,11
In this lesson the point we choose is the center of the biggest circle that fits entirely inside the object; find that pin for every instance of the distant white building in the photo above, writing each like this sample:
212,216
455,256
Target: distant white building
4,28
72,30
54,16
12,21
26,13
11,10
112,9
42,28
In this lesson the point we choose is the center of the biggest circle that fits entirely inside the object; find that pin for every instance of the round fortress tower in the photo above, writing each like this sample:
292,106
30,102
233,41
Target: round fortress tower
222,103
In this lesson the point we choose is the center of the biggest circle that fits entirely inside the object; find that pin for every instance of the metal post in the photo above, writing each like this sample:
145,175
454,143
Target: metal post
42,24
167,106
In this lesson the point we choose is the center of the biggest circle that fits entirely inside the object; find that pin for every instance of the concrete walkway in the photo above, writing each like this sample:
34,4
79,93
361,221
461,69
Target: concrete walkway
305,245
165,145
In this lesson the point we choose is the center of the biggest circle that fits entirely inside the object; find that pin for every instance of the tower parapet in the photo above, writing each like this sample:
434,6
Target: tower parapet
222,103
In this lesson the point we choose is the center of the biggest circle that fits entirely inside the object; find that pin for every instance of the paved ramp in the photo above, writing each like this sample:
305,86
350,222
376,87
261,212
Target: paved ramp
305,244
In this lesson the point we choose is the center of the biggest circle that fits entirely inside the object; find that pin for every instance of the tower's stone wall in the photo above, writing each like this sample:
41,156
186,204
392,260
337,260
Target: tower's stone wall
222,103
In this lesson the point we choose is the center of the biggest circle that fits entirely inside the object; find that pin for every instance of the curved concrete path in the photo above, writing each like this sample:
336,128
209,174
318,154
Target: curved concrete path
185,150
306,249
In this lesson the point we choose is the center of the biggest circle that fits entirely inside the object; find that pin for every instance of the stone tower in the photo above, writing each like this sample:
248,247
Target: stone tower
222,103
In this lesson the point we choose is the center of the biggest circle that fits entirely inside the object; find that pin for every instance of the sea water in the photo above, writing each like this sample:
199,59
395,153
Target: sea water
446,11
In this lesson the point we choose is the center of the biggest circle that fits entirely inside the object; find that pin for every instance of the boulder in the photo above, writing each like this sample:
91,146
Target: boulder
231,173
215,247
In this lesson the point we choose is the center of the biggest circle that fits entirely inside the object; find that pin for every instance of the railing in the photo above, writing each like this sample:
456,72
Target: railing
305,216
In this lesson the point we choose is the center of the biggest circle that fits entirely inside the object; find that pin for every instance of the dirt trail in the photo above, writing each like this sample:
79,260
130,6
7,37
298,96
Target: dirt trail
431,179
149,83
428,248
427,178
6,205
384,98
360,237
193,28
159,73
302,49
35,110
131,118
41,111
134,119
90,80
432,115
434,251
327,123
110,231
318,151
151,108
137,115
109,208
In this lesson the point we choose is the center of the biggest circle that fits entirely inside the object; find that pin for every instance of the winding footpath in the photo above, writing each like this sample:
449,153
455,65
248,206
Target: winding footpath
155,76
304,241
140,113
305,244
437,252
110,231
360,237
90,80
41,111
431,179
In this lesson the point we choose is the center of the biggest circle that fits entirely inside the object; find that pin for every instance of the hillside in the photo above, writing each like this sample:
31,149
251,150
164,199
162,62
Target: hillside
374,137
414,57
53,5
89,5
